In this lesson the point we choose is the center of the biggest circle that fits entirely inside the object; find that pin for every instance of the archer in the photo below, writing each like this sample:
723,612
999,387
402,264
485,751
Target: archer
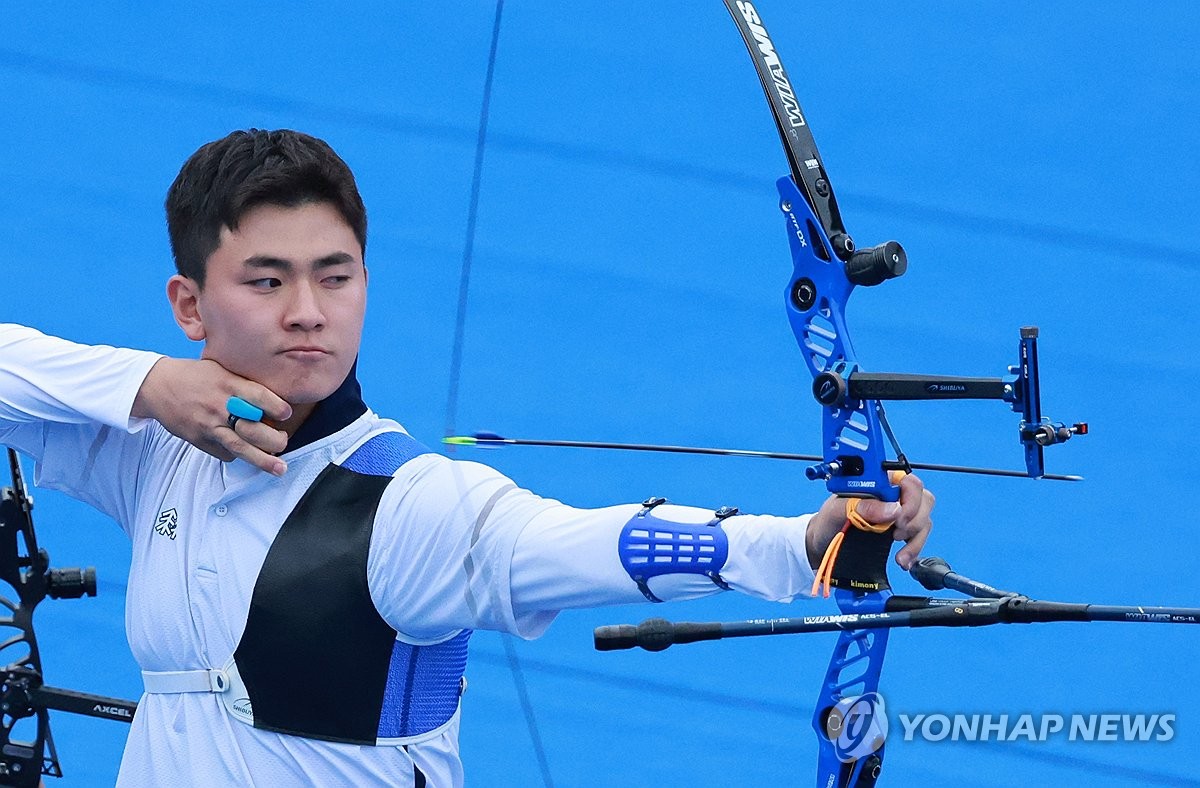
305,574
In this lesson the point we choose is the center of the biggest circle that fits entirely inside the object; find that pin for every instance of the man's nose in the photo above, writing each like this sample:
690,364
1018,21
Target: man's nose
304,308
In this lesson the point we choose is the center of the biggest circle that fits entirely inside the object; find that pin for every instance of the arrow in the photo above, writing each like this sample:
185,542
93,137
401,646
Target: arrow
492,440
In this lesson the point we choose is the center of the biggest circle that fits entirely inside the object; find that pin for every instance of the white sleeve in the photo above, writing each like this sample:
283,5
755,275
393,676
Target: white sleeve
68,406
458,545
44,378
568,558
442,547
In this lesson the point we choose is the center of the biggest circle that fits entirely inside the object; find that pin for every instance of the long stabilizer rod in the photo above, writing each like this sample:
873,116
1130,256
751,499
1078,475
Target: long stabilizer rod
656,634
987,606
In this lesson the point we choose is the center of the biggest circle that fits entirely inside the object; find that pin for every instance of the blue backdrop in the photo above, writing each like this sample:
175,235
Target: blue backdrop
1036,160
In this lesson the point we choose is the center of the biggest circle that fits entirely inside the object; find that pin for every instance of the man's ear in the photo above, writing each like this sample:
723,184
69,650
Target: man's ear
183,293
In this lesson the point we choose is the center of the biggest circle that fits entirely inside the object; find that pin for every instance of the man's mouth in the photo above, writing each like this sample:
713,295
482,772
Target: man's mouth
304,352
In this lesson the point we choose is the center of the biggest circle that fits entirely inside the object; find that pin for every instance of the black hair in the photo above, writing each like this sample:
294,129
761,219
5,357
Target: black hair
224,179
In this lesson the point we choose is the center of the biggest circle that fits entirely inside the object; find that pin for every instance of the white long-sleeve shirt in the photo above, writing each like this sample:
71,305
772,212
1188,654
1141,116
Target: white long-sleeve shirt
456,545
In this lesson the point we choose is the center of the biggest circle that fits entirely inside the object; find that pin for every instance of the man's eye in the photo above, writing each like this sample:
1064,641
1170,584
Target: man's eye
337,280
266,283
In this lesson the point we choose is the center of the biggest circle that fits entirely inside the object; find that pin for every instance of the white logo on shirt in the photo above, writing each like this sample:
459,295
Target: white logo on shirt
242,708
166,523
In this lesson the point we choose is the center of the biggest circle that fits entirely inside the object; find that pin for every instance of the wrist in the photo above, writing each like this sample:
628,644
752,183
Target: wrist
152,390
821,528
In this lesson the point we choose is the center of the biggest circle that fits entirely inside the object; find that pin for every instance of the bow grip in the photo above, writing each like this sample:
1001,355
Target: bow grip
862,560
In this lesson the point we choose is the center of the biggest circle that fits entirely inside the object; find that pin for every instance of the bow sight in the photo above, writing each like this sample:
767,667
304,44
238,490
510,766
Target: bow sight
843,385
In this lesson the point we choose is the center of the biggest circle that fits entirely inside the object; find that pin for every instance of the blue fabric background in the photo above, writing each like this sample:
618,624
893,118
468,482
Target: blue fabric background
1036,160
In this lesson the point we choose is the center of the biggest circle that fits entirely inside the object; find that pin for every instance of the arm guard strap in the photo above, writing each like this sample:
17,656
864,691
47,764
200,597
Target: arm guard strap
650,546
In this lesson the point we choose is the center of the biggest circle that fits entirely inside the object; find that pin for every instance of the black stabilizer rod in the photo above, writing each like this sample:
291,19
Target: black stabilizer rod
654,634
25,694
935,574
84,703
657,634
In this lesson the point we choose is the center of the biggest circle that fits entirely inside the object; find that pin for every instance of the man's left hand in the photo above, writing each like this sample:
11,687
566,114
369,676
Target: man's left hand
911,516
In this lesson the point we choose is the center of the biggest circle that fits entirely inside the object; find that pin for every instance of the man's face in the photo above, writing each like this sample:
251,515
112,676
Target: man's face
283,300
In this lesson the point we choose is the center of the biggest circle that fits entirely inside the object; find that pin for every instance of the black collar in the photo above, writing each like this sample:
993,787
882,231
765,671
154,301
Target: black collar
331,414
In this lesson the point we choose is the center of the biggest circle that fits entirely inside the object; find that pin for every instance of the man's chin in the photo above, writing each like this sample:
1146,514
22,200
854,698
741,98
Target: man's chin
305,390
305,395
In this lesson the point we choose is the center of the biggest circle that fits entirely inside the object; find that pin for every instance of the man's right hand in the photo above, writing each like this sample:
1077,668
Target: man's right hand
188,398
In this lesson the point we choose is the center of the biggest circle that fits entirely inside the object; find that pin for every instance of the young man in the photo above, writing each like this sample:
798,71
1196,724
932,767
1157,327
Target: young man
303,587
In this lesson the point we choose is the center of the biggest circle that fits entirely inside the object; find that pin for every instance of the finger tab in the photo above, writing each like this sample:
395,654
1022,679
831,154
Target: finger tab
243,409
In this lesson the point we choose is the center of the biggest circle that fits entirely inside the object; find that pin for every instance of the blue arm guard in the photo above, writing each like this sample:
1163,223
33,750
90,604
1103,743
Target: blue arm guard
650,547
